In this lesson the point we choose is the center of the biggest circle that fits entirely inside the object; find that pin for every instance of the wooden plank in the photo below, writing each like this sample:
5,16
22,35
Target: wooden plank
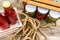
49,2
43,5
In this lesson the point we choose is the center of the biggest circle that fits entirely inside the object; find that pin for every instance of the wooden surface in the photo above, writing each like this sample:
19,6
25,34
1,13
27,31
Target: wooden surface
53,34
49,2
9,37
44,4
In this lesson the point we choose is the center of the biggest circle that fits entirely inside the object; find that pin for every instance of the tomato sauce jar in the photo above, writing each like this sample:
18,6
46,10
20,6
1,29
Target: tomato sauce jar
10,13
3,23
30,10
41,13
52,16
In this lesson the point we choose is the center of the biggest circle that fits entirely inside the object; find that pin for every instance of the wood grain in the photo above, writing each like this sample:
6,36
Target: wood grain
49,2
42,5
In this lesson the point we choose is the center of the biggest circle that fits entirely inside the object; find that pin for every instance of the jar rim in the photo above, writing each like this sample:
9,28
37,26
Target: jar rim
54,14
6,4
43,10
30,8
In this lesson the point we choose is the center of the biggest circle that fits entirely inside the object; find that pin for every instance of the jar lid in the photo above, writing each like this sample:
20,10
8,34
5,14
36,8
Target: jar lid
54,14
43,10
30,8
6,4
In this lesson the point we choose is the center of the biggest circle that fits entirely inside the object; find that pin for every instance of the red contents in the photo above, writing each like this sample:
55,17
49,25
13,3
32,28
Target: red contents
40,16
3,23
11,15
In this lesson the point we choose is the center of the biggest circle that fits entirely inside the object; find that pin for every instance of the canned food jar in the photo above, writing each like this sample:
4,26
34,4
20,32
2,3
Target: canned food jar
10,13
30,10
52,16
41,13
3,23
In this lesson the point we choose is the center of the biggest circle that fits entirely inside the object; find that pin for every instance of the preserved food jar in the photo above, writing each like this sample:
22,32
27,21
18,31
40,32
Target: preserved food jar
30,10
41,13
10,13
52,16
3,23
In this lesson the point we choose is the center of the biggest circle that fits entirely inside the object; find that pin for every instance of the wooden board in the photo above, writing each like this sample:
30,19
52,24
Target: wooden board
45,4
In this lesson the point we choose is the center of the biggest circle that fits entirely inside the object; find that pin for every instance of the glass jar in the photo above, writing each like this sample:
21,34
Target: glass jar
41,13
52,16
30,10
3,22
10,13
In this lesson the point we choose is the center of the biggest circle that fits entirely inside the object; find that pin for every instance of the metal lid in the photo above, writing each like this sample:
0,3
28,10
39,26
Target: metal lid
6,4
54,14
43,10
30,8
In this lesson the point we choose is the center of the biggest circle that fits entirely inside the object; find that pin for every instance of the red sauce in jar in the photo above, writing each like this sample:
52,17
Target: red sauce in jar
10,13
3,23
40,16
41,13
